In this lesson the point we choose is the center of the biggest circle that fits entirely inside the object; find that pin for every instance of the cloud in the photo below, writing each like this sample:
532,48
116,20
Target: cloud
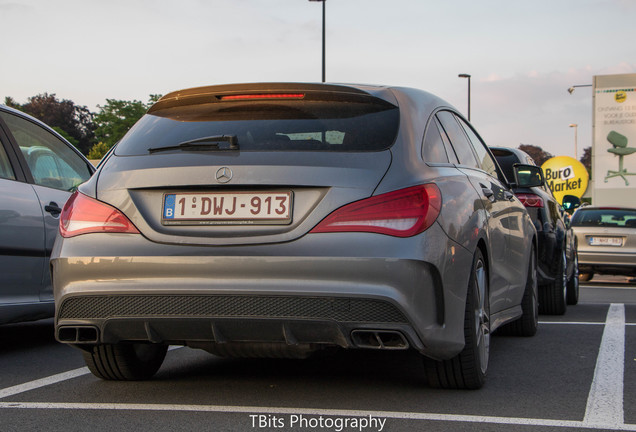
536,108
621,68
7,7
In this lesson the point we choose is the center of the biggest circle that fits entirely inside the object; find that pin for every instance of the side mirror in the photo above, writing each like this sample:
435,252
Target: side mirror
571,202
528,175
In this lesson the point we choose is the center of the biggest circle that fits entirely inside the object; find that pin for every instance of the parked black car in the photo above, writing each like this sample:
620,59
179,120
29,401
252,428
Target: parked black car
558,258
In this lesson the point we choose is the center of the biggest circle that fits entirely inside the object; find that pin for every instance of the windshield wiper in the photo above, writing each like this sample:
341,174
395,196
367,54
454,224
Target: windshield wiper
204,143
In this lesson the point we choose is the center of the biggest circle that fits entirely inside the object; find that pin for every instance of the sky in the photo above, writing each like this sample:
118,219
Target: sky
522,55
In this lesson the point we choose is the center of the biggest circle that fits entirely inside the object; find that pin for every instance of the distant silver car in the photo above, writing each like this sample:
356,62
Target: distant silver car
278,219
38,171
607,240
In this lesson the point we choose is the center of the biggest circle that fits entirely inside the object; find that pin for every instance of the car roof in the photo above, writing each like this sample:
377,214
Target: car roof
521,155
391,94
606,207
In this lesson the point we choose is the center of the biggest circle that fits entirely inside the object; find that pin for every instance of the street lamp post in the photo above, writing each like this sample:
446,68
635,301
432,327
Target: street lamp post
571,89
467,76
576,151
323,37
574,125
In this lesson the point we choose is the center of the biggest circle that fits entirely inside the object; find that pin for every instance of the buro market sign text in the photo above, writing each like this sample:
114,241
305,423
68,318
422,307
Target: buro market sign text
565,176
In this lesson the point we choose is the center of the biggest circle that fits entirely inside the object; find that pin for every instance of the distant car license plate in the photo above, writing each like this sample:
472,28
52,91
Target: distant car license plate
606,241
236,208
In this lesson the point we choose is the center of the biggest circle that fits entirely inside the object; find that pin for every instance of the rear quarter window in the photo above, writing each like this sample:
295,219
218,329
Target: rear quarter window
433,150
458,139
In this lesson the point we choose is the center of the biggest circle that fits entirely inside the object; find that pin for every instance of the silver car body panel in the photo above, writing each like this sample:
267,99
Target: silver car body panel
421,279
319,182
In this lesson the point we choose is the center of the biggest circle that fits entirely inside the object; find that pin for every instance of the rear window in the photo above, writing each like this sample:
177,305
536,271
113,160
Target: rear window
605,218
294,125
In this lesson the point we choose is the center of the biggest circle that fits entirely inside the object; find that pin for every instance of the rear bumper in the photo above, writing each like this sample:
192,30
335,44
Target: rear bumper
607,263
607,258
194,296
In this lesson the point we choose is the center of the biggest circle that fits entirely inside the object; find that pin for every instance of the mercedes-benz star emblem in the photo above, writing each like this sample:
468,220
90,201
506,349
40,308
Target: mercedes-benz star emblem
224,175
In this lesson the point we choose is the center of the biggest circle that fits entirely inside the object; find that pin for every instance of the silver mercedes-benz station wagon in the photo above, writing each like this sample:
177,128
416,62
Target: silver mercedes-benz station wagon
275,220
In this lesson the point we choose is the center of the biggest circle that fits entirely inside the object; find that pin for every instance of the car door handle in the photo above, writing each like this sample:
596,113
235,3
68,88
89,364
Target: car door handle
53,208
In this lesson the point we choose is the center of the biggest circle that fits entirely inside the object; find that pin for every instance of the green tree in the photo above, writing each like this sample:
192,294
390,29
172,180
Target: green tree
10,102
537,153
586,160
66,136
98,151
116,117
76,121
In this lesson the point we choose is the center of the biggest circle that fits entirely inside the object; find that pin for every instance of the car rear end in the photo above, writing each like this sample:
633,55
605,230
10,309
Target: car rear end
606,240
245,220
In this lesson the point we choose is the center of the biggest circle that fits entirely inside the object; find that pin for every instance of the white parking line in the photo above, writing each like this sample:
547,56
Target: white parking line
604,407
32,385
580,323
605,400
570,323
53,379
318,412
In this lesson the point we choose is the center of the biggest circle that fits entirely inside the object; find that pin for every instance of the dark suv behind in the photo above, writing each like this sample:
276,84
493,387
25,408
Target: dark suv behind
558,259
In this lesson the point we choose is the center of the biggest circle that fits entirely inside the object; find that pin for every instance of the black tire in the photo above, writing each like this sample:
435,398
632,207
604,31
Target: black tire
468,369
528,323
552,297
125,362
573,283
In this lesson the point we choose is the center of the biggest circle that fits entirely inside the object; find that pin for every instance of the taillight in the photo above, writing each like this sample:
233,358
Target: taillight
262,96
83,215
402,213
530,200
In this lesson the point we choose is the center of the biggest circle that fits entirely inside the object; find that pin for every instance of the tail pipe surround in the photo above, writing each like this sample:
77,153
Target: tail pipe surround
78,334
379,339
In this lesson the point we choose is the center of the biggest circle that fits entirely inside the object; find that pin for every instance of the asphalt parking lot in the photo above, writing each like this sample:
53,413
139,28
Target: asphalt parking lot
577,373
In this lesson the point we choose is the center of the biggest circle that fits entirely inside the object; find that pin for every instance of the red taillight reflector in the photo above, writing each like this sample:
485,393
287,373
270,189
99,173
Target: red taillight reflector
402,213
83,215
261,96
530,200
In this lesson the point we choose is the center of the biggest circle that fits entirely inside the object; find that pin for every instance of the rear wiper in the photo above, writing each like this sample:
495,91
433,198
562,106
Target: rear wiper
205,143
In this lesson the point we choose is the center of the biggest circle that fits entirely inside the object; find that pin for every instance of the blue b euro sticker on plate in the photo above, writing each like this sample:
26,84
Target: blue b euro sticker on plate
168,206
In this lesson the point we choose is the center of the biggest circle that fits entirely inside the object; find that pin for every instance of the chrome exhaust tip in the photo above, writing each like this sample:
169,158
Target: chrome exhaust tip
78,334
379,339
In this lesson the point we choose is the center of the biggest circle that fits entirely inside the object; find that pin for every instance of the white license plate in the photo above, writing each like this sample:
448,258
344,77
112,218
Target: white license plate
606,241
236,208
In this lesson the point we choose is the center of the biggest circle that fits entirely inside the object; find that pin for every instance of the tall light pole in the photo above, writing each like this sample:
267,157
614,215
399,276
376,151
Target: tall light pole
574,125
467,76
323,37
576,151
